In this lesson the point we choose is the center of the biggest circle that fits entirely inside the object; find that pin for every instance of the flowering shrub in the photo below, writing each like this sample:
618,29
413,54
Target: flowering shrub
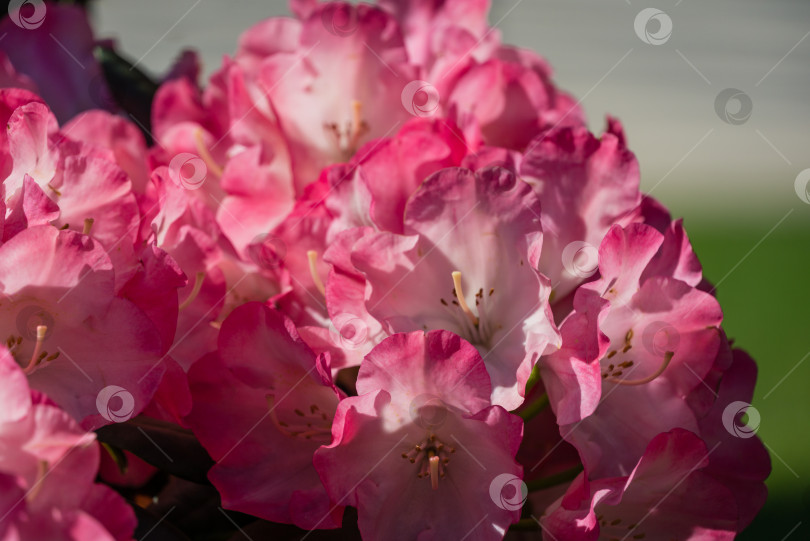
376,263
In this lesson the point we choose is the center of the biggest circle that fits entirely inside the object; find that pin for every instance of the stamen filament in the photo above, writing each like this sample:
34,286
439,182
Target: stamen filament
461,301
88,225
202,150
198,282
42,330
667,358
312,255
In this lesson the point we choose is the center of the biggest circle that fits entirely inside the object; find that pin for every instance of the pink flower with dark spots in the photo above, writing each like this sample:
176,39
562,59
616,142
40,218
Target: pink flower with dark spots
48,465
263,404
652,339
66,328
418,450
667,494
467,264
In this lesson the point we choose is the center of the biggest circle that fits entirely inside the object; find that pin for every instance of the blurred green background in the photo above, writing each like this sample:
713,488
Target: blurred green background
733,184
766,302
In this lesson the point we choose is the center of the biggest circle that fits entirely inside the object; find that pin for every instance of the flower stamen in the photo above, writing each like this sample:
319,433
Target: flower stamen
667,358
431,458
88,225
307,431
348,137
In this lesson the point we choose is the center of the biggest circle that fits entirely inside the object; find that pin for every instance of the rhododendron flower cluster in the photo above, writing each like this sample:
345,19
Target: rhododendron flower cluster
376,274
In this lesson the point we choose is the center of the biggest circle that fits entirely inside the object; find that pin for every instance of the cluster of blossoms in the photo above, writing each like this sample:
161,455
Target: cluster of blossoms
378,261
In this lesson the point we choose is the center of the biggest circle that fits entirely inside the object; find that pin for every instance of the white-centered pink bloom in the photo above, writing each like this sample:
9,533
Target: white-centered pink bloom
48,466
67,329
417,451
652,338
263,403
466,263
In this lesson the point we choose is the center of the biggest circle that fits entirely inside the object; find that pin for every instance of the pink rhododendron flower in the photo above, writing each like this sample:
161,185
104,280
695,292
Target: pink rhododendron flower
66,327
422,440
467,264
47,470
262,405
377,261
288,105
667,494
585,186
657,338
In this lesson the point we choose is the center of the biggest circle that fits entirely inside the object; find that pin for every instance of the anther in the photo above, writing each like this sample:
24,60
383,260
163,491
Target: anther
88,225
667,358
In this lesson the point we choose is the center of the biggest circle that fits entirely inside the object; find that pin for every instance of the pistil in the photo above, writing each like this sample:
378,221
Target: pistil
198,282
348,138
461,301
37,355
431,458
434,471
312,255
206,156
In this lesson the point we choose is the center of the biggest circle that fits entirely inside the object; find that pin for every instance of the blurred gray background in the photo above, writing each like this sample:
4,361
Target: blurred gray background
665,94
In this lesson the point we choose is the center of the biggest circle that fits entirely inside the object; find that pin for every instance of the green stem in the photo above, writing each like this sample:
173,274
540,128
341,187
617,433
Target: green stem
525,525
554,480
118,457
534,377
529,412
